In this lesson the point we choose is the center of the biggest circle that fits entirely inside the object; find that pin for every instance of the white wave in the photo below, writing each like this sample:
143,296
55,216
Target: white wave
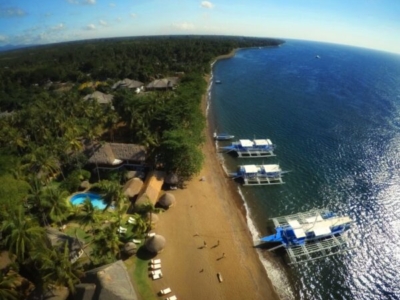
278,276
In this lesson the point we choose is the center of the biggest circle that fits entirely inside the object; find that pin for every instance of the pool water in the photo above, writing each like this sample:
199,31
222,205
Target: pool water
96,199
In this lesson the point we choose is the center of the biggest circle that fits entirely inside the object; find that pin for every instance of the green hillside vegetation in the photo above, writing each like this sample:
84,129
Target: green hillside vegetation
42,143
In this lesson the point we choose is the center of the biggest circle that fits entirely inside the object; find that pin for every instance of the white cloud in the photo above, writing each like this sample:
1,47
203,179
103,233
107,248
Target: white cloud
184,26
73,1
103,23
133,15
206,4
91,2
112,4
3,38
9,12
90,27
60,26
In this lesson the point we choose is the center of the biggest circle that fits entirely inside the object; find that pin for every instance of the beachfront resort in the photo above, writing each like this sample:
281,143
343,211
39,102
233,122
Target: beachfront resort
103,187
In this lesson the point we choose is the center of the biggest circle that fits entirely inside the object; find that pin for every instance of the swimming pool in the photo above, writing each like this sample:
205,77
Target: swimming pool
96,199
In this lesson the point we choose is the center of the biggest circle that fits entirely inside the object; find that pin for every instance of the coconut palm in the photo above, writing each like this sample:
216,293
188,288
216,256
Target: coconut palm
56,268
88,214
106,244
22,234
8,283
112,193
54,201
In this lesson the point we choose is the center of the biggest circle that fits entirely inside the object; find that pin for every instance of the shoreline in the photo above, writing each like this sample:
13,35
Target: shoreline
206,234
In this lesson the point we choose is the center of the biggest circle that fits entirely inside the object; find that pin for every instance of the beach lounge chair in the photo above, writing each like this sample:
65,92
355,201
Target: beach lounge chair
122,229
156,274
136,241
165,291
131,220
173,297
155,266
155,261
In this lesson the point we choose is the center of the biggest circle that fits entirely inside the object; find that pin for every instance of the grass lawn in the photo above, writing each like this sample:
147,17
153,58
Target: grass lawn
139,274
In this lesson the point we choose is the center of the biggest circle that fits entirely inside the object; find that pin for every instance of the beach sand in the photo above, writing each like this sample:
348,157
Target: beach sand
210,213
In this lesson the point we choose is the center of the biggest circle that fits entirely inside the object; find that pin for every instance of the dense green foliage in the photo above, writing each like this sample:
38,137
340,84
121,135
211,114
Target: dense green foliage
23,72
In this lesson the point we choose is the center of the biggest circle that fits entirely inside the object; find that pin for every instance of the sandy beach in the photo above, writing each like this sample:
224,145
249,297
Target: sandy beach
206,234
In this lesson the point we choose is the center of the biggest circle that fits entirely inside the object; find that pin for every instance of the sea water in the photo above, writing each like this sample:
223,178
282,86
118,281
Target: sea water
334,113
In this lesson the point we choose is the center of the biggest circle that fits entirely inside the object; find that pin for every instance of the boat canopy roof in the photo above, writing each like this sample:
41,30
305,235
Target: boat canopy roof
246,143
294,224
299,233
321,231
250,168
262,142
271,168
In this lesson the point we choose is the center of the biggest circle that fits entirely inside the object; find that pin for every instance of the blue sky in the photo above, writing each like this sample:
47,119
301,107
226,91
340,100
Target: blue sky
365,23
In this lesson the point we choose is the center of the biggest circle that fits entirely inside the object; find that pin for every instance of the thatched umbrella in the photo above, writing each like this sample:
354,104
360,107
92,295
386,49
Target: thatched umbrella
132,187
172,179
85,185
129,248
153,216
155,244
167,200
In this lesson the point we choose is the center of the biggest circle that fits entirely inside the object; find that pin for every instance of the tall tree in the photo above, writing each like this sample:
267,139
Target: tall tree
22,234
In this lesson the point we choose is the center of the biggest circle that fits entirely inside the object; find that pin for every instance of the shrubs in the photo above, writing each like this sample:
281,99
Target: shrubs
74,179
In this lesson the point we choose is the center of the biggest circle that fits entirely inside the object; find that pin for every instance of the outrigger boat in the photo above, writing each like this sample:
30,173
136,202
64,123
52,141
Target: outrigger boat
223,136
259,174
310,235
251,148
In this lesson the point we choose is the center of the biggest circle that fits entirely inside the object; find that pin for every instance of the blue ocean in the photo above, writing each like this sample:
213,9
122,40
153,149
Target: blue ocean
334,113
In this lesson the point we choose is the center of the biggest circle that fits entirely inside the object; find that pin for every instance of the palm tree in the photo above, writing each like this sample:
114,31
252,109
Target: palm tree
88,214
54,201
22,234
112,193
56,268
8,283
107,244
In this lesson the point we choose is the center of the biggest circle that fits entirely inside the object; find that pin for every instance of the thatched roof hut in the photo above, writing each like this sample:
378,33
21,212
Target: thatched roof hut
163,84
112,282
58,238
116,153
155,244
129,248
172,179
167,200
152,189
154,218
132,187
100,97
128,83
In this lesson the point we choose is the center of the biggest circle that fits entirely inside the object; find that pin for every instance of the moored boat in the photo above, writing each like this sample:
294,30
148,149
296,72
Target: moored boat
310,235
223,136
251,148
259,174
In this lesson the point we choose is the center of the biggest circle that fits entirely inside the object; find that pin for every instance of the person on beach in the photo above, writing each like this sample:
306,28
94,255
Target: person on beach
218,243
205,244
223,255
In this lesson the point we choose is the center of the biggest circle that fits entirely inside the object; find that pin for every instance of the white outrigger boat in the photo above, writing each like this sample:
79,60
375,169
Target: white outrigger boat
310,235
223,136
259,174
251,148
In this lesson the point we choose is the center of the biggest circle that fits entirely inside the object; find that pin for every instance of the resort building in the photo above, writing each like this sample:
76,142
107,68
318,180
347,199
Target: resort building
100,97
114,155
152,190
129,84
163,84
109,282
58,239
